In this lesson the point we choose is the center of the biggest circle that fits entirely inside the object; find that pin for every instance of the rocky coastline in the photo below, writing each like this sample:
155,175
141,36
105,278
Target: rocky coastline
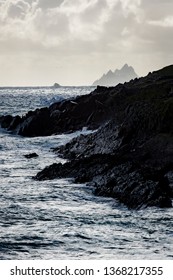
129,156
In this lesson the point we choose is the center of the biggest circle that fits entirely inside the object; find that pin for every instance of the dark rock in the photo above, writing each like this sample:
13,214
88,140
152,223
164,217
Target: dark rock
130,155
114,178
56,85
5,121
32,155
36,123
14,123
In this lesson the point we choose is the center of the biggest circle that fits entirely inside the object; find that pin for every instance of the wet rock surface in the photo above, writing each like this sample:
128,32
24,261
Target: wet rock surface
123,175
31,155
130,155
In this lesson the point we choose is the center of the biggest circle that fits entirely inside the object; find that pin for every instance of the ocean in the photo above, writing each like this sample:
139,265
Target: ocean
57,219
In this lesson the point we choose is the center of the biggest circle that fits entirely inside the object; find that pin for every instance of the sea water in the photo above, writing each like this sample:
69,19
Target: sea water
57,219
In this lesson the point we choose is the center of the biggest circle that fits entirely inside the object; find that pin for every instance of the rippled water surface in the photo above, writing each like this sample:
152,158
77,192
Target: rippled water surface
58,219
20,100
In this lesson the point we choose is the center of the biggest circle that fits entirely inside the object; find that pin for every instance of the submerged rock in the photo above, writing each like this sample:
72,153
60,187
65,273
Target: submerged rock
31,155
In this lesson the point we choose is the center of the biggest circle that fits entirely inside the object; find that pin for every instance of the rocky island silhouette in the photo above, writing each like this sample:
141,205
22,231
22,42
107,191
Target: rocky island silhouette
125,74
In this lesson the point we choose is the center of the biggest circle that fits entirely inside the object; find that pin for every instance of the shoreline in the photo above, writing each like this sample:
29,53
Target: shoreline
130,156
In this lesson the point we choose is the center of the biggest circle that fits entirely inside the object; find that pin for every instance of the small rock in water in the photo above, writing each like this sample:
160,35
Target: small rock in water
32,155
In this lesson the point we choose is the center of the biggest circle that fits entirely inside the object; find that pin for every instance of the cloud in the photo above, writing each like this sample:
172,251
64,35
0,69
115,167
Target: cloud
130,6
29,21
79,32
58,21
49,4
88,24
13,9
53,22
166,22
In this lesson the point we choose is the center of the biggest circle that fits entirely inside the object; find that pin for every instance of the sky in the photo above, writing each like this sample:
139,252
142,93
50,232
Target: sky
73,42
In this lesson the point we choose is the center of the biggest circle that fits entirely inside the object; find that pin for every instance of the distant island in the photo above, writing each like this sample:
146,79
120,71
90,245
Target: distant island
56,85
125,74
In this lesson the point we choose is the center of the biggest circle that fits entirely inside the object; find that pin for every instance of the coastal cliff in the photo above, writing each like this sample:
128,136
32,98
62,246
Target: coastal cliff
130,155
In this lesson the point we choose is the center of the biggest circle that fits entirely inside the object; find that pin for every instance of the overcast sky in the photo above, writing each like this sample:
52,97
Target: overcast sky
73,42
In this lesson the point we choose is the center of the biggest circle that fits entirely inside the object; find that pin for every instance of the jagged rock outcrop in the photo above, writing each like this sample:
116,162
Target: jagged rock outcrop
130,155
115,177
125,74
